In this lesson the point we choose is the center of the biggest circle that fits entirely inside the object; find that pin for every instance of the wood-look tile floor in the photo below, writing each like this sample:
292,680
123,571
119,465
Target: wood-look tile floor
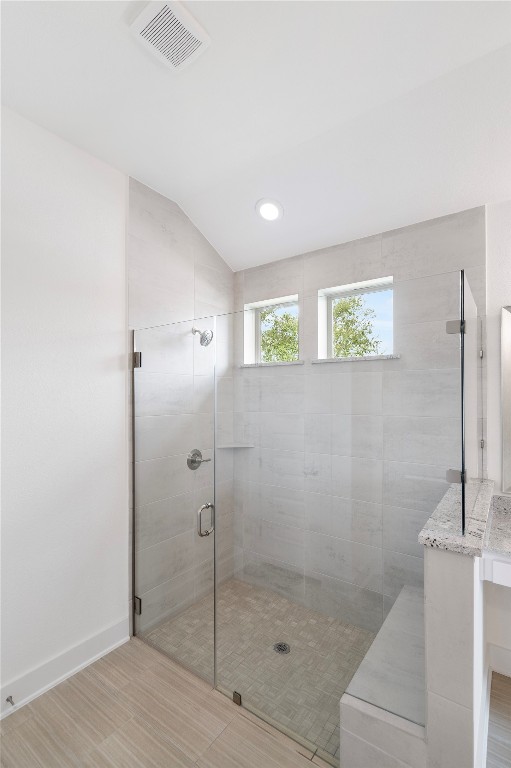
136,708
299,691
499,725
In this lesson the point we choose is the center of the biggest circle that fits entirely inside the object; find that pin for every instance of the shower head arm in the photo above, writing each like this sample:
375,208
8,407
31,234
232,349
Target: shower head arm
205,336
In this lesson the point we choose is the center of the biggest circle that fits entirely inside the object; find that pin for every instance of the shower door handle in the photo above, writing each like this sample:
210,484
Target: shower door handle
209,530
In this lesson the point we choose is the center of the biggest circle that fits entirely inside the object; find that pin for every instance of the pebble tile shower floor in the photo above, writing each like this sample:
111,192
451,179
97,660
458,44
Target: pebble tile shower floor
299,691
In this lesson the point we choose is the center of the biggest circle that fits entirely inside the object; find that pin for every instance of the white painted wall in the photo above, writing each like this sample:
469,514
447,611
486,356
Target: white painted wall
65,469
498,294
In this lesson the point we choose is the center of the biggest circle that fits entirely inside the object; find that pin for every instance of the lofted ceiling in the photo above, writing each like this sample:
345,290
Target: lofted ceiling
357,116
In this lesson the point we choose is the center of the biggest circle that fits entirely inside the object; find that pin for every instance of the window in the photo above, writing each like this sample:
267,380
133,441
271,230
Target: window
356,320
271,331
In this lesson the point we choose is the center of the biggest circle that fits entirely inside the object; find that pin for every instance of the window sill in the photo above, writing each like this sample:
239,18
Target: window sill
354,359
233,445
269,365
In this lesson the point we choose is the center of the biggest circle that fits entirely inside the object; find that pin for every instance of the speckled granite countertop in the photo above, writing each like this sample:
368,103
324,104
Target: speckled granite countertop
498,537
443,529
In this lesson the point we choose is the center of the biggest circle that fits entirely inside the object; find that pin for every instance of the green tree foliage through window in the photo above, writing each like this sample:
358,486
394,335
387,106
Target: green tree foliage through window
352,328
353,331
279,334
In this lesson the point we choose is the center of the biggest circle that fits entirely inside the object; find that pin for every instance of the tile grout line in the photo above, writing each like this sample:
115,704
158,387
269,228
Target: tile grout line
215,739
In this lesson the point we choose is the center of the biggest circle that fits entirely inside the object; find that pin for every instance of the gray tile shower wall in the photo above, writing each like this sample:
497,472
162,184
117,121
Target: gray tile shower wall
350,458
175,276
174,272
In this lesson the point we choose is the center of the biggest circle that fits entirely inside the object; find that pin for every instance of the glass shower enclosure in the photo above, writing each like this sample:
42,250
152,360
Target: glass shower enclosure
277,507
174,491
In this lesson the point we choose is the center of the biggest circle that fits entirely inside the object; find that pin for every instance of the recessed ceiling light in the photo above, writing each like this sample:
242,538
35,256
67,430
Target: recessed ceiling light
270,210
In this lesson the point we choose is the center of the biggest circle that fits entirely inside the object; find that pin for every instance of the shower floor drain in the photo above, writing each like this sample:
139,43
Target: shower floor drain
281,648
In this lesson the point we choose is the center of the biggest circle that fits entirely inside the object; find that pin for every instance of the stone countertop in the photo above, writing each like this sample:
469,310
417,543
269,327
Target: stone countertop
443,529
498,537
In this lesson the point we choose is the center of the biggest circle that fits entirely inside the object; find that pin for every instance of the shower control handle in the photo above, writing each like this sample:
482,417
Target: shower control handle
209,530
195,459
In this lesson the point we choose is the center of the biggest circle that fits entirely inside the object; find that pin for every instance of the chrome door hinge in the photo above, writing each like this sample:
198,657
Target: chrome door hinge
455,326
454,476
481,353
481,442
137,359
137,605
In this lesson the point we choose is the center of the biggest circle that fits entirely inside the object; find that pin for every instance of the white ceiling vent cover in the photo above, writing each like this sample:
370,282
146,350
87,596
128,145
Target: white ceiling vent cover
170,33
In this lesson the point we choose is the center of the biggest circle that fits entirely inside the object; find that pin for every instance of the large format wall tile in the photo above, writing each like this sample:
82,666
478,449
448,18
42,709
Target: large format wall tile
426,345
348,519
343,264
161,283
204,394
426,299
285,506
445,244
204,357
282,468
282,431
341,387
422,393
340,438
449,614
263,571
224,393
164,561
167,599
283,393
356,393
318,473
271,281
423,440
317,397
161,478
450,729
346,560
401,570
366,437
163,519
155,219
343,600
160,436
354,478
213,291
158,394
224,345
167,349
413,486
401,529
279,542
319,431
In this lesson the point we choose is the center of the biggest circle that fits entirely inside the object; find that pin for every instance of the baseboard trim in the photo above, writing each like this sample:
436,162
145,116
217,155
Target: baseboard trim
39,680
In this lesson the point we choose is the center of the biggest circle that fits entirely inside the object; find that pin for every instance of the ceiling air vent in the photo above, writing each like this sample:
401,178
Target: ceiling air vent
170,33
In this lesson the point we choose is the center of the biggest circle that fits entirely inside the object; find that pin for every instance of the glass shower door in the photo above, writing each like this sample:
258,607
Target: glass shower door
174,496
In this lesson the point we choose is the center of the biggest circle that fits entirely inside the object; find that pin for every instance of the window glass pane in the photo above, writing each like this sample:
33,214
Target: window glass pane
362,324
279,333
